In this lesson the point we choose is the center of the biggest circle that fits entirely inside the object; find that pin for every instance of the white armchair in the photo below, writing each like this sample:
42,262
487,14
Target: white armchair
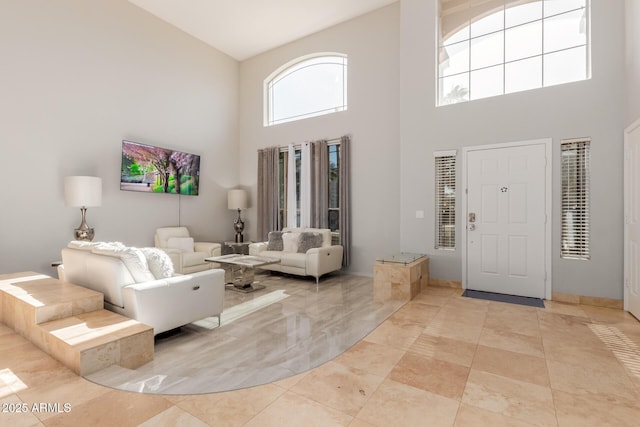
186,254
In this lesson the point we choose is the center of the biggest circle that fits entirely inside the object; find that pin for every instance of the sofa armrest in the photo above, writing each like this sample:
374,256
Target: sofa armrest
213,249
256,248
324,260
169,303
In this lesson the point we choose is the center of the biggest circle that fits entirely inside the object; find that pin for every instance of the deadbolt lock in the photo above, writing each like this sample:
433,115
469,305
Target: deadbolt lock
472,217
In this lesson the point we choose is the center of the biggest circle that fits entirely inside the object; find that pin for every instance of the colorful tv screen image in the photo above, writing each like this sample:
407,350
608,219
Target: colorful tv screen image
152,169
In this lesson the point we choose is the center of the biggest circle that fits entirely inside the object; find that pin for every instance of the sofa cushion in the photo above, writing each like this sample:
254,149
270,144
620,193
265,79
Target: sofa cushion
290,242
309,240
293,260
190,259
159,263
185,244
272,254
275,242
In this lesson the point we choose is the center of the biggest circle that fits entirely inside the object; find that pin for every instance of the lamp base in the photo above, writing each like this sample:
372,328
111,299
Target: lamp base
84,234
239,238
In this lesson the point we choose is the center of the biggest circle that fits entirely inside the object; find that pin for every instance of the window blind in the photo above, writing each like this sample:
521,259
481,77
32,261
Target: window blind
445,203
576,163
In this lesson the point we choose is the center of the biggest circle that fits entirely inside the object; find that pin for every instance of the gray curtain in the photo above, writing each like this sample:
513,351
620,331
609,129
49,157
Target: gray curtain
319,184
344,170
268,198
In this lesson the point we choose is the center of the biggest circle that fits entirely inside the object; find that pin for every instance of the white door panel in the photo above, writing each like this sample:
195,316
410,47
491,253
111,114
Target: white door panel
506,193
632,223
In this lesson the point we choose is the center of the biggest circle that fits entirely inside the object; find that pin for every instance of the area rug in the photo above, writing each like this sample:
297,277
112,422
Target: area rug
268,335
512,299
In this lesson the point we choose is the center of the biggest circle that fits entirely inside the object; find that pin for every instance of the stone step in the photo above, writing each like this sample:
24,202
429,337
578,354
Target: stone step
89,342
69,322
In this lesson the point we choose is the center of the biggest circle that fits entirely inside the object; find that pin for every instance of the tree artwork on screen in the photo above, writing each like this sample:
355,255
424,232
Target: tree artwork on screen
159,170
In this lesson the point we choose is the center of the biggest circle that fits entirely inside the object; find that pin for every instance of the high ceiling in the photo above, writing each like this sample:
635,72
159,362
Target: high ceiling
244,28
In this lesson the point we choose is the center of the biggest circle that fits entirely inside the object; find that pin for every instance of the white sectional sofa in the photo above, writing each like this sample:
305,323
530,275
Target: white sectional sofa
301,251
140,283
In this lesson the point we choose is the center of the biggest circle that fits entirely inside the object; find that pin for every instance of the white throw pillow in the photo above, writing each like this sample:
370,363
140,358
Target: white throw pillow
159,262
185,244
290,242
133,259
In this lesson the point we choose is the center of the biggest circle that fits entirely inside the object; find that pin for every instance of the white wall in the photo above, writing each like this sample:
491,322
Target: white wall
371,43
632,27
593,108
78,77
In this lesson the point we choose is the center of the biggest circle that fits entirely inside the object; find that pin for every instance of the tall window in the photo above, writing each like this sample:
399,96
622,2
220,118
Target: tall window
311,86
334,193
445,218
333,211
502,46
576,160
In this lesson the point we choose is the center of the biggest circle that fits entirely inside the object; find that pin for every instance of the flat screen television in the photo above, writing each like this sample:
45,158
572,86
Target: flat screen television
158,170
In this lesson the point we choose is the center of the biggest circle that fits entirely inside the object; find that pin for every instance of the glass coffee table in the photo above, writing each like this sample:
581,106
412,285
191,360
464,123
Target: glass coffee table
239,270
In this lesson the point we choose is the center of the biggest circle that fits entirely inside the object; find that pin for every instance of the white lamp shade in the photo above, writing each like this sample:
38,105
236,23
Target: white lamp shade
237,199
82,191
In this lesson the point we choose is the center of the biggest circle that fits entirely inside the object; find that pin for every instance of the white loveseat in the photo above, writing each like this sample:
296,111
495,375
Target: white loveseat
301,251
140,283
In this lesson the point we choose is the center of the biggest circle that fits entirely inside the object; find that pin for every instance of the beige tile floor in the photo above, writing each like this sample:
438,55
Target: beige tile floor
441,360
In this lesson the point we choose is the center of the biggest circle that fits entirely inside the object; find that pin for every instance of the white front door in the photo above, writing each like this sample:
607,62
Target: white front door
506,209
632,219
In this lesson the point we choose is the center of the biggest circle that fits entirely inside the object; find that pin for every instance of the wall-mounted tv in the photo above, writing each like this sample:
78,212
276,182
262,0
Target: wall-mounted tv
158,170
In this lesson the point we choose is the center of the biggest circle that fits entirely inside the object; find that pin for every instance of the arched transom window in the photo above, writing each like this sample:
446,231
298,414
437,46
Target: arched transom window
494,47
306,87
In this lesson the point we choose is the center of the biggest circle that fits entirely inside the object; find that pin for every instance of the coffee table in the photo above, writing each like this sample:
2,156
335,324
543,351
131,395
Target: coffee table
239,270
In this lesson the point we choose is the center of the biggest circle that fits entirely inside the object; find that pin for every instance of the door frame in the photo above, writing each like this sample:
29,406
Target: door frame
627,186
547,143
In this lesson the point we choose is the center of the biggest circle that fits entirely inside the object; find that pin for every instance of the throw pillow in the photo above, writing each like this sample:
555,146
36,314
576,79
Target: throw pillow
159,263
290,242
185,244
133,259
275,241
309,240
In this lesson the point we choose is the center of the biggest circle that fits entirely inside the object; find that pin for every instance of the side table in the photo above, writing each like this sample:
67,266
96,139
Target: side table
240,248
400,277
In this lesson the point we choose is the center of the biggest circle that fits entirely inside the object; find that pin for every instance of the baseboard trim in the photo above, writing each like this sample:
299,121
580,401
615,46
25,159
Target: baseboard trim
445,283
585,300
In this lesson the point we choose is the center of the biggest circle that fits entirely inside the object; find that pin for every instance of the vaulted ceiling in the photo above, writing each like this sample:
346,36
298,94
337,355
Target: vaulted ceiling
244,28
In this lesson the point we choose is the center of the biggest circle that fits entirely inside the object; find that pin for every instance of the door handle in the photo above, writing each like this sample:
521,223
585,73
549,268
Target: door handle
471,227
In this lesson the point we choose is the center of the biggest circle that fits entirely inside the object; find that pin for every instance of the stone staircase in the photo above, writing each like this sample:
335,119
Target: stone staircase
69,323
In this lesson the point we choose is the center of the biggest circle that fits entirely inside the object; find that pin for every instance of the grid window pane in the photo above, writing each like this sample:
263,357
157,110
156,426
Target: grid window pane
454,89
454,26
523,41
487,18
523,75
564,31
487,50
565,66
553,7
487,82
454,59
522,13
445,233
576,164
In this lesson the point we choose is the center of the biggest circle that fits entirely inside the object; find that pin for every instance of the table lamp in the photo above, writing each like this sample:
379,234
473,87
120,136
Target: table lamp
237,199
83,191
